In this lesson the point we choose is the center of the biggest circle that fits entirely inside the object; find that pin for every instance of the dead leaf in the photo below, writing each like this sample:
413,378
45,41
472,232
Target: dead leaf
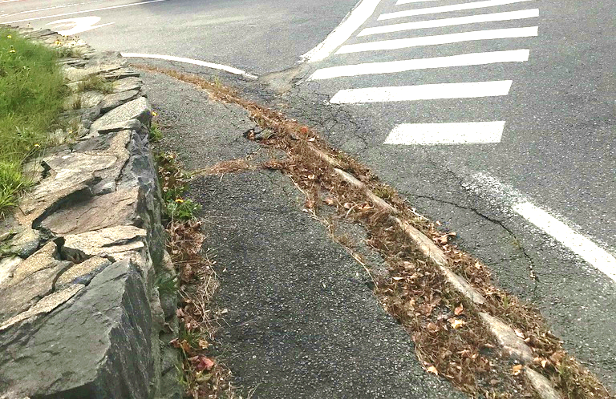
203,344
202,363
457,323
432,370
432,327
365,207
329,201
201,378
458,310
557,357
517,369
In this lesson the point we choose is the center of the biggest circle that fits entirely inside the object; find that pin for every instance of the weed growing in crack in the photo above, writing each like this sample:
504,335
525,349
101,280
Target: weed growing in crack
384,192
95,82
174,183
201,375
167,284
155,133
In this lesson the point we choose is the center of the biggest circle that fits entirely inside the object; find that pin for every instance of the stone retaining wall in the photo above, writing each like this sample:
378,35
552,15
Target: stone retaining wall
80,312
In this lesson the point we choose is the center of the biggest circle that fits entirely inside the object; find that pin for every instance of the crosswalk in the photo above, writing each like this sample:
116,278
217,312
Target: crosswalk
378,60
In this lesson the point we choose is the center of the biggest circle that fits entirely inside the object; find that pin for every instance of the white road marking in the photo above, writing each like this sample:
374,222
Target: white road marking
576,242
83,12
440,39
423,92
45,9
455,7
373,68
446,133
550,224
350,24
438,23
78,25
212,65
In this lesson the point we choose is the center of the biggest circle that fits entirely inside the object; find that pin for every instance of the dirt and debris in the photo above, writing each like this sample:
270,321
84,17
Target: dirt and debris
202,375
449,336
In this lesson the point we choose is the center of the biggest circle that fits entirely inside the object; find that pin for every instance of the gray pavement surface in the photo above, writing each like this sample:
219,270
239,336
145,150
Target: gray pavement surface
257,36
301,321
557,147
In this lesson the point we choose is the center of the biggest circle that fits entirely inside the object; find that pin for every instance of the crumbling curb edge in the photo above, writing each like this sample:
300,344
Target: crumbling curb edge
511,344
105,261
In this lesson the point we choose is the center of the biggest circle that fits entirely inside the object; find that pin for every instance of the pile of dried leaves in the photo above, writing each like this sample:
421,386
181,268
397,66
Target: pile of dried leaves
202,376
449,337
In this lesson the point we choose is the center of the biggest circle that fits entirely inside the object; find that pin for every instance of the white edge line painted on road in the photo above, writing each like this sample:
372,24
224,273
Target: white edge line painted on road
438,23
440,39
440,9
342,32
576,242
419,1
548,222
71,32
84,11
374,68
446,133
212,65
43,9
423,92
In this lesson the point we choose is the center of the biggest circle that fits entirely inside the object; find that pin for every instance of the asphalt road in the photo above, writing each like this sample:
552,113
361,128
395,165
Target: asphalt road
546,154
258,36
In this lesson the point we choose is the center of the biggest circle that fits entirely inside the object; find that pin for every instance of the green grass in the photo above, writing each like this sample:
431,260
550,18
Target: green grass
156,135
95,82
32,94
174,184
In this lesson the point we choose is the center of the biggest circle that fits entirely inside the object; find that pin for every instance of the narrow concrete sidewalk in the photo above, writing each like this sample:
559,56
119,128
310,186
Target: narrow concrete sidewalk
301,321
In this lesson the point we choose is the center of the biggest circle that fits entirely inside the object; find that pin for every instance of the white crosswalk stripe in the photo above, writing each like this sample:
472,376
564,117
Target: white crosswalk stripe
445,132
439,23
373,68
422,92
441,9
440,39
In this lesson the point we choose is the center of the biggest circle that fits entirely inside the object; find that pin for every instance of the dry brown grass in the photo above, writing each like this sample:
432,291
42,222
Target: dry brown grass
449,337
225,167
203,376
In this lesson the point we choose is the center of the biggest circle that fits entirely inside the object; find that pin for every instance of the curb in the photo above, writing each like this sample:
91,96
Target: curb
80,308
511,345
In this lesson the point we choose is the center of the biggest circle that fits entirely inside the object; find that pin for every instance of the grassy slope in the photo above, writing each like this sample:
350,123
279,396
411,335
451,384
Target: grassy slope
31,97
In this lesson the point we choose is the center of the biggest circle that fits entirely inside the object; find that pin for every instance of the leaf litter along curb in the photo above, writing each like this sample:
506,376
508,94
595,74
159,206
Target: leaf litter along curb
449,336
201,375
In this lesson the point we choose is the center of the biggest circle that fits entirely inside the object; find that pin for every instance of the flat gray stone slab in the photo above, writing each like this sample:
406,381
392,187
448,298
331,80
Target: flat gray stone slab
94,345
113,100
127,84
138,109
301,322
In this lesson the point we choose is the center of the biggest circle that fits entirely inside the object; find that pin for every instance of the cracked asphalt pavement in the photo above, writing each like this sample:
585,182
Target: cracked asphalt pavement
301,320
557,147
